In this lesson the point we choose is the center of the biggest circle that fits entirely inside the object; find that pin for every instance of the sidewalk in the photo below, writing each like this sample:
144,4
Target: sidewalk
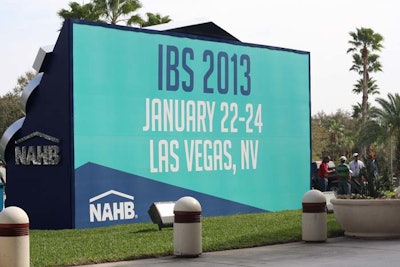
340,251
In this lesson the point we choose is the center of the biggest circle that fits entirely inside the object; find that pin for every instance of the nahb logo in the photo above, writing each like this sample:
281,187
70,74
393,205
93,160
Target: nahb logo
102,211
45,154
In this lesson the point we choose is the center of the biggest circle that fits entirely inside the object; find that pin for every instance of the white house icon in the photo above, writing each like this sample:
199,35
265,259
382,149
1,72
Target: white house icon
110,192
114,211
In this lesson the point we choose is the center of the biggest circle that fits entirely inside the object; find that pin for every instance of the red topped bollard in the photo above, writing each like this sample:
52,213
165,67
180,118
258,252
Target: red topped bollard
314,225
187,228
14,238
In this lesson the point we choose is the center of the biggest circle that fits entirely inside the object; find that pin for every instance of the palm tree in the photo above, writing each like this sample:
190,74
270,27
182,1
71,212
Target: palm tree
357,111
154,19
373,88
336,131
384,126
364,43
115,11
389,115
84,11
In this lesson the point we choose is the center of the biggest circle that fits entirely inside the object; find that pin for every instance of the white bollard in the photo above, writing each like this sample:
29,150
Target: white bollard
314,218
14,238
187,228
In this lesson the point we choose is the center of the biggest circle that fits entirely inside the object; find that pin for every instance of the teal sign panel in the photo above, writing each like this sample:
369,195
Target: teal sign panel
229,120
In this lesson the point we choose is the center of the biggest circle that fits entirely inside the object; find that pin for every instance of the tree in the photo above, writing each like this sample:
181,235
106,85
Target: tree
23,81
357,111
373,88
115,11
389,120
11,108
365,42
378,134
154,19
332,134
10,111
320,137
84,12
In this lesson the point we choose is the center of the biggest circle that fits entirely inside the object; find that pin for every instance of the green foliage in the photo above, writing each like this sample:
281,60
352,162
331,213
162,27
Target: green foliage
11,108
23,81
10,111
373,88
85,12
113,12
154,19
144,240
388,118
333,135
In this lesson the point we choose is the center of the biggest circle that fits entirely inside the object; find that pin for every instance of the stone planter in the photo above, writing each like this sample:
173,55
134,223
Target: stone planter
368,218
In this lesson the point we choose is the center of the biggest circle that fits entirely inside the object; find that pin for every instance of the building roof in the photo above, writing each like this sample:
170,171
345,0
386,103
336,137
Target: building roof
200,27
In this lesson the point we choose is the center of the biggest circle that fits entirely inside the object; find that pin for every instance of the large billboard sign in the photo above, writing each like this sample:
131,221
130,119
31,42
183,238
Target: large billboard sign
153,116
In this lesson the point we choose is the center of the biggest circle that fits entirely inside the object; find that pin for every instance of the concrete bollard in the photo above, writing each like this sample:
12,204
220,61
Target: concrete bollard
14,238
314,224
187,228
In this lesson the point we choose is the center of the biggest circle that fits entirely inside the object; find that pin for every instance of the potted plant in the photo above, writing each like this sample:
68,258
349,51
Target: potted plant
373,214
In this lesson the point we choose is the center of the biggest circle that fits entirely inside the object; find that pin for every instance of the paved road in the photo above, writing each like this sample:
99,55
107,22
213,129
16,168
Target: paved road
341,252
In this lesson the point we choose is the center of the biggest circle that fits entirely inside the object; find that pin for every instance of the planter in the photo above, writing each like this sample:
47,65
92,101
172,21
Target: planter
368,218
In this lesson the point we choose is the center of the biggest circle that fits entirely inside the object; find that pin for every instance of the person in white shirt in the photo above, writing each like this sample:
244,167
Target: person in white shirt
356,166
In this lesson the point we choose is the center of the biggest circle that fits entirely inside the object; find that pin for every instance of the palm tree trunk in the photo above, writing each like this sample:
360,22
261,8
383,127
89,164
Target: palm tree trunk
397,157
364,103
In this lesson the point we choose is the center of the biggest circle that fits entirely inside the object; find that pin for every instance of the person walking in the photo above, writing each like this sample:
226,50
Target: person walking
343,171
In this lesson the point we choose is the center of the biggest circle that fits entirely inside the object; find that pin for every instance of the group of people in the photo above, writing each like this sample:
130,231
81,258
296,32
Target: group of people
347,173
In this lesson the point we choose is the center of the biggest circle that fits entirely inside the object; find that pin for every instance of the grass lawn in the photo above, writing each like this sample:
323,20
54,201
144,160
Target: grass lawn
143,240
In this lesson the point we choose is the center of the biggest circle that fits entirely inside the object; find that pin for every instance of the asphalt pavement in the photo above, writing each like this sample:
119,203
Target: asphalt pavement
339,251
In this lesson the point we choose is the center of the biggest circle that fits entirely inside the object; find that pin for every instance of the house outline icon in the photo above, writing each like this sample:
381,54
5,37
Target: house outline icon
37,134
110,192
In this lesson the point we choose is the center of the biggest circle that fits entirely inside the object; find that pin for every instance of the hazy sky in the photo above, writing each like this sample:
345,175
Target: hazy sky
319,27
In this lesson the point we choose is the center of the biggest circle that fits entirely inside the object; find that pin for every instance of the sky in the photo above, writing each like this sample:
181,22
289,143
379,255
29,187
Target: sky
319,27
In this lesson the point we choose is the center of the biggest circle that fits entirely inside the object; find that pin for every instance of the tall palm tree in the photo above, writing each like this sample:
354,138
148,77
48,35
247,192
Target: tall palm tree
154,19
365,42
357,111
373,88
115,11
